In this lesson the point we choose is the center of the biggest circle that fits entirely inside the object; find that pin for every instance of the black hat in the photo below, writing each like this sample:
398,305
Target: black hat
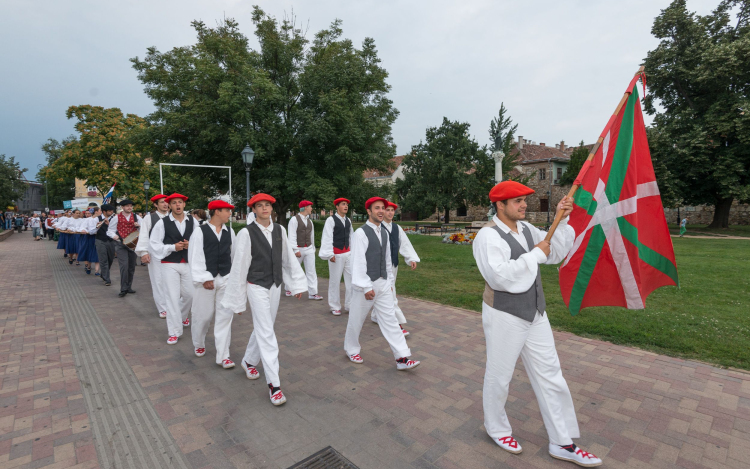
93,204
106,207
125,202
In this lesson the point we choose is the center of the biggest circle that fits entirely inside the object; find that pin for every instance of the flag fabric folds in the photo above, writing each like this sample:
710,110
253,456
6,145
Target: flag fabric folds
108,197
623,250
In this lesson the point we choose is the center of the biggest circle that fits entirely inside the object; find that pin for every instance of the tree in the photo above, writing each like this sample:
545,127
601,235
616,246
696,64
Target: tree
699,76
60,187
316,117
12,182
443,171
503,137
577,158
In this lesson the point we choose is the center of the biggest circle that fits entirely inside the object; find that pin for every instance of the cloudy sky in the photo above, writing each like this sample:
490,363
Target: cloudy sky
560,67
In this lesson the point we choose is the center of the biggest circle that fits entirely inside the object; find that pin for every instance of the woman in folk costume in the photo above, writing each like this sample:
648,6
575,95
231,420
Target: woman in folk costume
83,244
72,228
91,229
508,253
210,260
169,241
263,258
400,244
335,248
142,249
302,239
61,236
372,287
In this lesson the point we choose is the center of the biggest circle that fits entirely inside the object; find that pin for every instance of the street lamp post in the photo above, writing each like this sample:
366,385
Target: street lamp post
247,157
146,186
46,188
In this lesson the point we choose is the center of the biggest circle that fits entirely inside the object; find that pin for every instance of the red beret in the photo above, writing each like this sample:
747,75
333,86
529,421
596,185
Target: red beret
157,197
391,204
259,198
372,200
304,203
216,204
176,196
509,190
341,199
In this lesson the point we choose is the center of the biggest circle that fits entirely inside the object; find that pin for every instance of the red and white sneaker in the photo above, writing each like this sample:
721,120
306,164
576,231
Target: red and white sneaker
406,333
199,352
356,358
227,364
314,297
186,322
509,444
574,454
163,315
336,312
250,371
403,364
278,397
172,340
288,293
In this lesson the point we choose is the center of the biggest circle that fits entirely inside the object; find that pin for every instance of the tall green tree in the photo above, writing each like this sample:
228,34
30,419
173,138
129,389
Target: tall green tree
577,158
316,113
699,94
60,187
443,171
12,182
503,137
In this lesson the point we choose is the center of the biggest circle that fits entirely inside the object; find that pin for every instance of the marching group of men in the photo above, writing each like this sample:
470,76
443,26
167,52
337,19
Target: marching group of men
207,270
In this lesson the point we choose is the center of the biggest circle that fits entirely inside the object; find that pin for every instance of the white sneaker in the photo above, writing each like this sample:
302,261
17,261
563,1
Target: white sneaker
288,293
356,358
575,455
277,398
509,444
407,365
163,315
373,318
250,371
314,297
172,340
336,312
227,364
199,352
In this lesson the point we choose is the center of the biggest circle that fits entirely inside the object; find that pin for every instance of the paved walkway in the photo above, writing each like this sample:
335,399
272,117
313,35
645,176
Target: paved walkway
636,409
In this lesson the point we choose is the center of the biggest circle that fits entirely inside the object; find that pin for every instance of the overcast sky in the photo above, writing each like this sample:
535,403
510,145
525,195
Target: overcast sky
559,66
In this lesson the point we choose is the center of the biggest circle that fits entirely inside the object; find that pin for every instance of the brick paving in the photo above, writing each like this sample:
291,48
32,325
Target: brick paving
636,409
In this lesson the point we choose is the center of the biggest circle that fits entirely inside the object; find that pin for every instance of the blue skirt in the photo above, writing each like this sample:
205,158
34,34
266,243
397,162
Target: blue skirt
71,243
90,248
83,253
61,241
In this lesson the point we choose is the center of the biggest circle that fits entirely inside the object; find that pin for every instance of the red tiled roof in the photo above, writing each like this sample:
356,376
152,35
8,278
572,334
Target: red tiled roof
394,164
534,153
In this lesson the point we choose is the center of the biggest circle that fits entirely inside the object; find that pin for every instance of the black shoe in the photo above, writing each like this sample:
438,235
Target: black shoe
70,261
122,293
107,284
131,291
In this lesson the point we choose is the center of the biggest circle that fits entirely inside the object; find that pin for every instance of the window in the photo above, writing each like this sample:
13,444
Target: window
461,211
542,174
543,205
559,173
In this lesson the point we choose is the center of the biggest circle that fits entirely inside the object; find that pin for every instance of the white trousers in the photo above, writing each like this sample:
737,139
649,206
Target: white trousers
507,337
177,285
262,346
399,314
383,305
343,265
206,304
154,273
307,257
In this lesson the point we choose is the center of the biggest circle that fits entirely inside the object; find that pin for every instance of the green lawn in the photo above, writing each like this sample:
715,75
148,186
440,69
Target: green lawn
704,230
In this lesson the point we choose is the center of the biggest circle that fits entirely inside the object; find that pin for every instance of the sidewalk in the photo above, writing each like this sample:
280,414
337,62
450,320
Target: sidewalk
636,409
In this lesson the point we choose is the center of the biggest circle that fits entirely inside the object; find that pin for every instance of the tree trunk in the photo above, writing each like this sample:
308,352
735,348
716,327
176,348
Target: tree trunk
447,215
721,213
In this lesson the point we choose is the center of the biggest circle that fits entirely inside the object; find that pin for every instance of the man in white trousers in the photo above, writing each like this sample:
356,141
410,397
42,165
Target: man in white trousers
508,253
372,287
263,258
400,244
335,248
169,243
302,239
161,209
210,259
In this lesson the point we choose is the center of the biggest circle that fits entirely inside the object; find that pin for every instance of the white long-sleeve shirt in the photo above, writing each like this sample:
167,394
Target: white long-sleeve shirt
90,225
235,298
157,248
112,230
293,232
404,244
61,223
76,225
501,273
359,244
196,256
326,240
250,218
141,249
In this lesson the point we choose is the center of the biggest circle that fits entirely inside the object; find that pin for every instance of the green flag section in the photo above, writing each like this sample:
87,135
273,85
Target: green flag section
622,250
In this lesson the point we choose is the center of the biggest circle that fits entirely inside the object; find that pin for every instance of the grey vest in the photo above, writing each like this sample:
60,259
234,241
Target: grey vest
376,252
304,233
522,305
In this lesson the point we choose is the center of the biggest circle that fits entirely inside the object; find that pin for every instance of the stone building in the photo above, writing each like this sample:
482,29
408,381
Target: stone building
32,200
390,176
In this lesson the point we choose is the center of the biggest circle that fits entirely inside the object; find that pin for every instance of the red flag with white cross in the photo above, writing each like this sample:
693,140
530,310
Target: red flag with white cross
623,250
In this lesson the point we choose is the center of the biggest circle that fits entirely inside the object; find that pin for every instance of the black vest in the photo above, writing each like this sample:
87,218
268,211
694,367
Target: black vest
218,254
101,233
154,219
265,268
393,235
341,233
172,235
375,254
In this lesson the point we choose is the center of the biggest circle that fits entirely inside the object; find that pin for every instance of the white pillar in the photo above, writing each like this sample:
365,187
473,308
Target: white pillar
498,157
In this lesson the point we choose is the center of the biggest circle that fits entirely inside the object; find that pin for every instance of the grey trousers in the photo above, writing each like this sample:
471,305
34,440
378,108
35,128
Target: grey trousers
126,259
106,252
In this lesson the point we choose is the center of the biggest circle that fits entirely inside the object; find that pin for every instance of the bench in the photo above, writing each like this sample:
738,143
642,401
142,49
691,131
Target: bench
475,226
428,228
448,227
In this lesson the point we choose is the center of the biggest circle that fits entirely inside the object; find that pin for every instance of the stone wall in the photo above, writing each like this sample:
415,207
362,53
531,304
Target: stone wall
739,214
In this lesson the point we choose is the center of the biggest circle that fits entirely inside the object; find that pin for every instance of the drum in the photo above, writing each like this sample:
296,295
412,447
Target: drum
131,240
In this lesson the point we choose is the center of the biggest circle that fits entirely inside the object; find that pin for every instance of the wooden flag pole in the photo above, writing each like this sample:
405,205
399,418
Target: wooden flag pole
592,153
